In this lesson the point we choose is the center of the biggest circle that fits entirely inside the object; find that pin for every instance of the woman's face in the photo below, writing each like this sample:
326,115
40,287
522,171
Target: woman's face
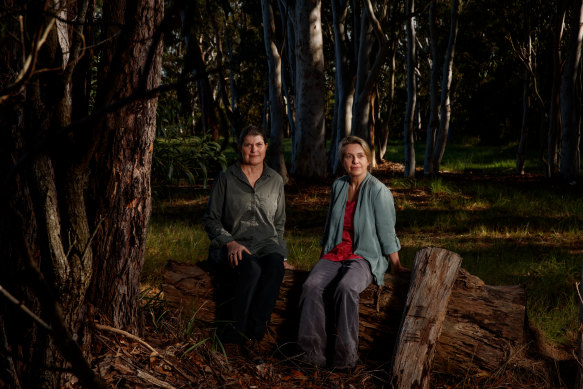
354,160
253,150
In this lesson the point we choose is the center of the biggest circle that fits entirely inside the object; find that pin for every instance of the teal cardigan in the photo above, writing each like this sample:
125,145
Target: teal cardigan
374,223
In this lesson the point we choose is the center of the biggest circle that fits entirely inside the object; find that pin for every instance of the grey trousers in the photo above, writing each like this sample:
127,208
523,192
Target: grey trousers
329,311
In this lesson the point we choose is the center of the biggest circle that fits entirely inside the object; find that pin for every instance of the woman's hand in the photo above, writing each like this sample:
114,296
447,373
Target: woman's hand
235,252
396,263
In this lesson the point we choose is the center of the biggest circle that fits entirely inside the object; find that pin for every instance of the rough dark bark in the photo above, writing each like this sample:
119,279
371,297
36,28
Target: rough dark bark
47,259
121,190
482,324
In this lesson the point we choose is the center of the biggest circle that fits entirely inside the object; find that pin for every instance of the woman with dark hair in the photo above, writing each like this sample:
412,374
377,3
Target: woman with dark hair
358,244
245,221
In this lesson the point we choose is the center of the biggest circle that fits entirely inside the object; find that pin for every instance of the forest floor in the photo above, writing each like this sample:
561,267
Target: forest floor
163,357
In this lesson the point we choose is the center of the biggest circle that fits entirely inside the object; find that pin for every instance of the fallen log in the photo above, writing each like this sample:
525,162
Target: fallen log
482,325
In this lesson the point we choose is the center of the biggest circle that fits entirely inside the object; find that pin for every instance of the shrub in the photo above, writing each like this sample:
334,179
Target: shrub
186,161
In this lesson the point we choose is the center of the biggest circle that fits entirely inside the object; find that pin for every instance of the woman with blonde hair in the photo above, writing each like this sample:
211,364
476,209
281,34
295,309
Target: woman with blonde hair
358,244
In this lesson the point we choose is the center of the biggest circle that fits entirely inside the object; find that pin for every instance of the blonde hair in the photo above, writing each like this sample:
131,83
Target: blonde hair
355,140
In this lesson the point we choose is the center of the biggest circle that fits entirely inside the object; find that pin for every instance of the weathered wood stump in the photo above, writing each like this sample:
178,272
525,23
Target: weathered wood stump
482,324
433,276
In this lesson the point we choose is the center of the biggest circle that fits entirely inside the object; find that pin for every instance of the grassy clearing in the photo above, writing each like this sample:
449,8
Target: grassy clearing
508,229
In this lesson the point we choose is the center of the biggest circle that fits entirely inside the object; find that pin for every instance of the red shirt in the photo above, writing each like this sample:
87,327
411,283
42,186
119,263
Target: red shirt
344,249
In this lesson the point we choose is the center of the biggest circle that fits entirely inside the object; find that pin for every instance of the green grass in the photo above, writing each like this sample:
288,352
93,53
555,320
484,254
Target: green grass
508,231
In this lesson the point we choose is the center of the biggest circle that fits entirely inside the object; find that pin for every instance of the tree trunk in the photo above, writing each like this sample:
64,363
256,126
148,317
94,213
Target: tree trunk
47,262
290,69
366,76
408,132
343,86
521,152
433,123
309,159
570,100
361,106
122,163
445,104
276,160
383,136
483,323
552,169
194,66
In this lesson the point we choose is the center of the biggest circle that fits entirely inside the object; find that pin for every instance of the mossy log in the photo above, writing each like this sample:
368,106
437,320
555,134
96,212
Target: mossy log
482,325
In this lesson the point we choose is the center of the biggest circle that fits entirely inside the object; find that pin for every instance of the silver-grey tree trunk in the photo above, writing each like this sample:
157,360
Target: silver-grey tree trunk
569,168
366,75
445,103
433,123
409,141
521,152
309,141
275,149
287,22
344,83
552,168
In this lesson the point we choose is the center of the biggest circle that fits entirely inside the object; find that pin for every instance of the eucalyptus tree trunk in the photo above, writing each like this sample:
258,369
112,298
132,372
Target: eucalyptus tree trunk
366,76
433,123
309,141
569,168
552,168
121,187
383,134
445,103
408,132
521,152
361,105
276,160
343,85
195,66
287,22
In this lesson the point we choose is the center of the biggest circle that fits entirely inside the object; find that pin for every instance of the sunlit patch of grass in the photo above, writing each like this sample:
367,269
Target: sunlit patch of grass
439,187
304,248
183,241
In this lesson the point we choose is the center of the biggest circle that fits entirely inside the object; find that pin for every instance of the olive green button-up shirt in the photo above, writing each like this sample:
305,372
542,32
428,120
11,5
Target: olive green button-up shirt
252,216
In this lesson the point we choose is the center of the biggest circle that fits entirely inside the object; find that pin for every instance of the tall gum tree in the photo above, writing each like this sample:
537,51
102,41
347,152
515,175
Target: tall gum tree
276,117
409,132
569,167
445,101
343,81
309,159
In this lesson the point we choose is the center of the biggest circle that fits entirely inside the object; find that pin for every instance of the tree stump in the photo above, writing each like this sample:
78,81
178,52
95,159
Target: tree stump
433,276
482,324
